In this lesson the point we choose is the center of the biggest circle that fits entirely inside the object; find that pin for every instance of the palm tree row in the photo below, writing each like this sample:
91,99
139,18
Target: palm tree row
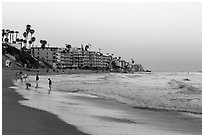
8,36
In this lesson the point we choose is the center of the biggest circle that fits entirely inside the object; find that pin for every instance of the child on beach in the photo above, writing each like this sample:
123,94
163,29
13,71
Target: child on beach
37,78
28,85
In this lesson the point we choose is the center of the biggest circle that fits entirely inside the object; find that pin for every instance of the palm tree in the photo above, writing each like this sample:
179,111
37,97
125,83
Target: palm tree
28,28
132,61
25,36
21,41
3,34
7,33
43,43
68,47
30,42
86,47
33,40
31,32
24,41
112,56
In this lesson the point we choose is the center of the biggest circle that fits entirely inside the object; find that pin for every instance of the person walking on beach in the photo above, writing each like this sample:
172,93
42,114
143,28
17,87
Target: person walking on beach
50,85
21,77
36,78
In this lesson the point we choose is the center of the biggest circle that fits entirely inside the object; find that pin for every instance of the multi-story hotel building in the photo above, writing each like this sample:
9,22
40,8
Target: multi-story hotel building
78,58
47,54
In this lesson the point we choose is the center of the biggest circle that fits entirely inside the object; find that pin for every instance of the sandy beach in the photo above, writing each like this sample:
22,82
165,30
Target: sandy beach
78,113
99,115
22,120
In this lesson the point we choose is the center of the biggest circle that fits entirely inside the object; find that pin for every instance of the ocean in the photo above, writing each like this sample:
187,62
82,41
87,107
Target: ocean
108,103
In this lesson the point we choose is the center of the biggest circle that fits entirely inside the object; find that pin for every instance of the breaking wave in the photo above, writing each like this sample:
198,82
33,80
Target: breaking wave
184,88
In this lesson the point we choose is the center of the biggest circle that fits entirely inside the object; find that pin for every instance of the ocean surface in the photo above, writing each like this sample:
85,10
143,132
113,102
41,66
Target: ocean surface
120,103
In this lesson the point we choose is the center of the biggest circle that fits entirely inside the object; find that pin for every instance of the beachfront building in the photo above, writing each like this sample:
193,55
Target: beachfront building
63,58
122,64
78,58
47,54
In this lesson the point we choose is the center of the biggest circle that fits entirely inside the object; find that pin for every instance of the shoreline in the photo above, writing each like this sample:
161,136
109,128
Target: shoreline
80,71
21,120
99,116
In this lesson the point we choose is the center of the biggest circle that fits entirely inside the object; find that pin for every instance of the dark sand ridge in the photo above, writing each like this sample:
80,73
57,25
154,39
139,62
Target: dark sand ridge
22,120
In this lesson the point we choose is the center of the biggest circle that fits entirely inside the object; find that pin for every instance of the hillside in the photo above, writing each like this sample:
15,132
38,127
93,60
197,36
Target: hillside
20,58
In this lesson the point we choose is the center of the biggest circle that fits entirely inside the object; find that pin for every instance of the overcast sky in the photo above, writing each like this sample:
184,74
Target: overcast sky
160,36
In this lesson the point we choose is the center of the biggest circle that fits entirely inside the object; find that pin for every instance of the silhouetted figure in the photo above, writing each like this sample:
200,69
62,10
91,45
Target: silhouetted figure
28,85
37,78
50,83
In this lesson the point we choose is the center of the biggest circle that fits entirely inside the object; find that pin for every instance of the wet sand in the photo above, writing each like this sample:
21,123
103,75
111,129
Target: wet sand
146,122
22,120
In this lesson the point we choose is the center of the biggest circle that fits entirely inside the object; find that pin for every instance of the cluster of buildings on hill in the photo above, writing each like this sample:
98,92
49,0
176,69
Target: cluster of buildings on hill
63,58
68,57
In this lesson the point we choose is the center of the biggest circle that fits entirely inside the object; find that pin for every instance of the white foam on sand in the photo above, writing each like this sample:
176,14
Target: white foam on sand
64,101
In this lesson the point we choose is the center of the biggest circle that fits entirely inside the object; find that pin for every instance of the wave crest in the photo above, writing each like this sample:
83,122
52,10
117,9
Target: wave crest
184,88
